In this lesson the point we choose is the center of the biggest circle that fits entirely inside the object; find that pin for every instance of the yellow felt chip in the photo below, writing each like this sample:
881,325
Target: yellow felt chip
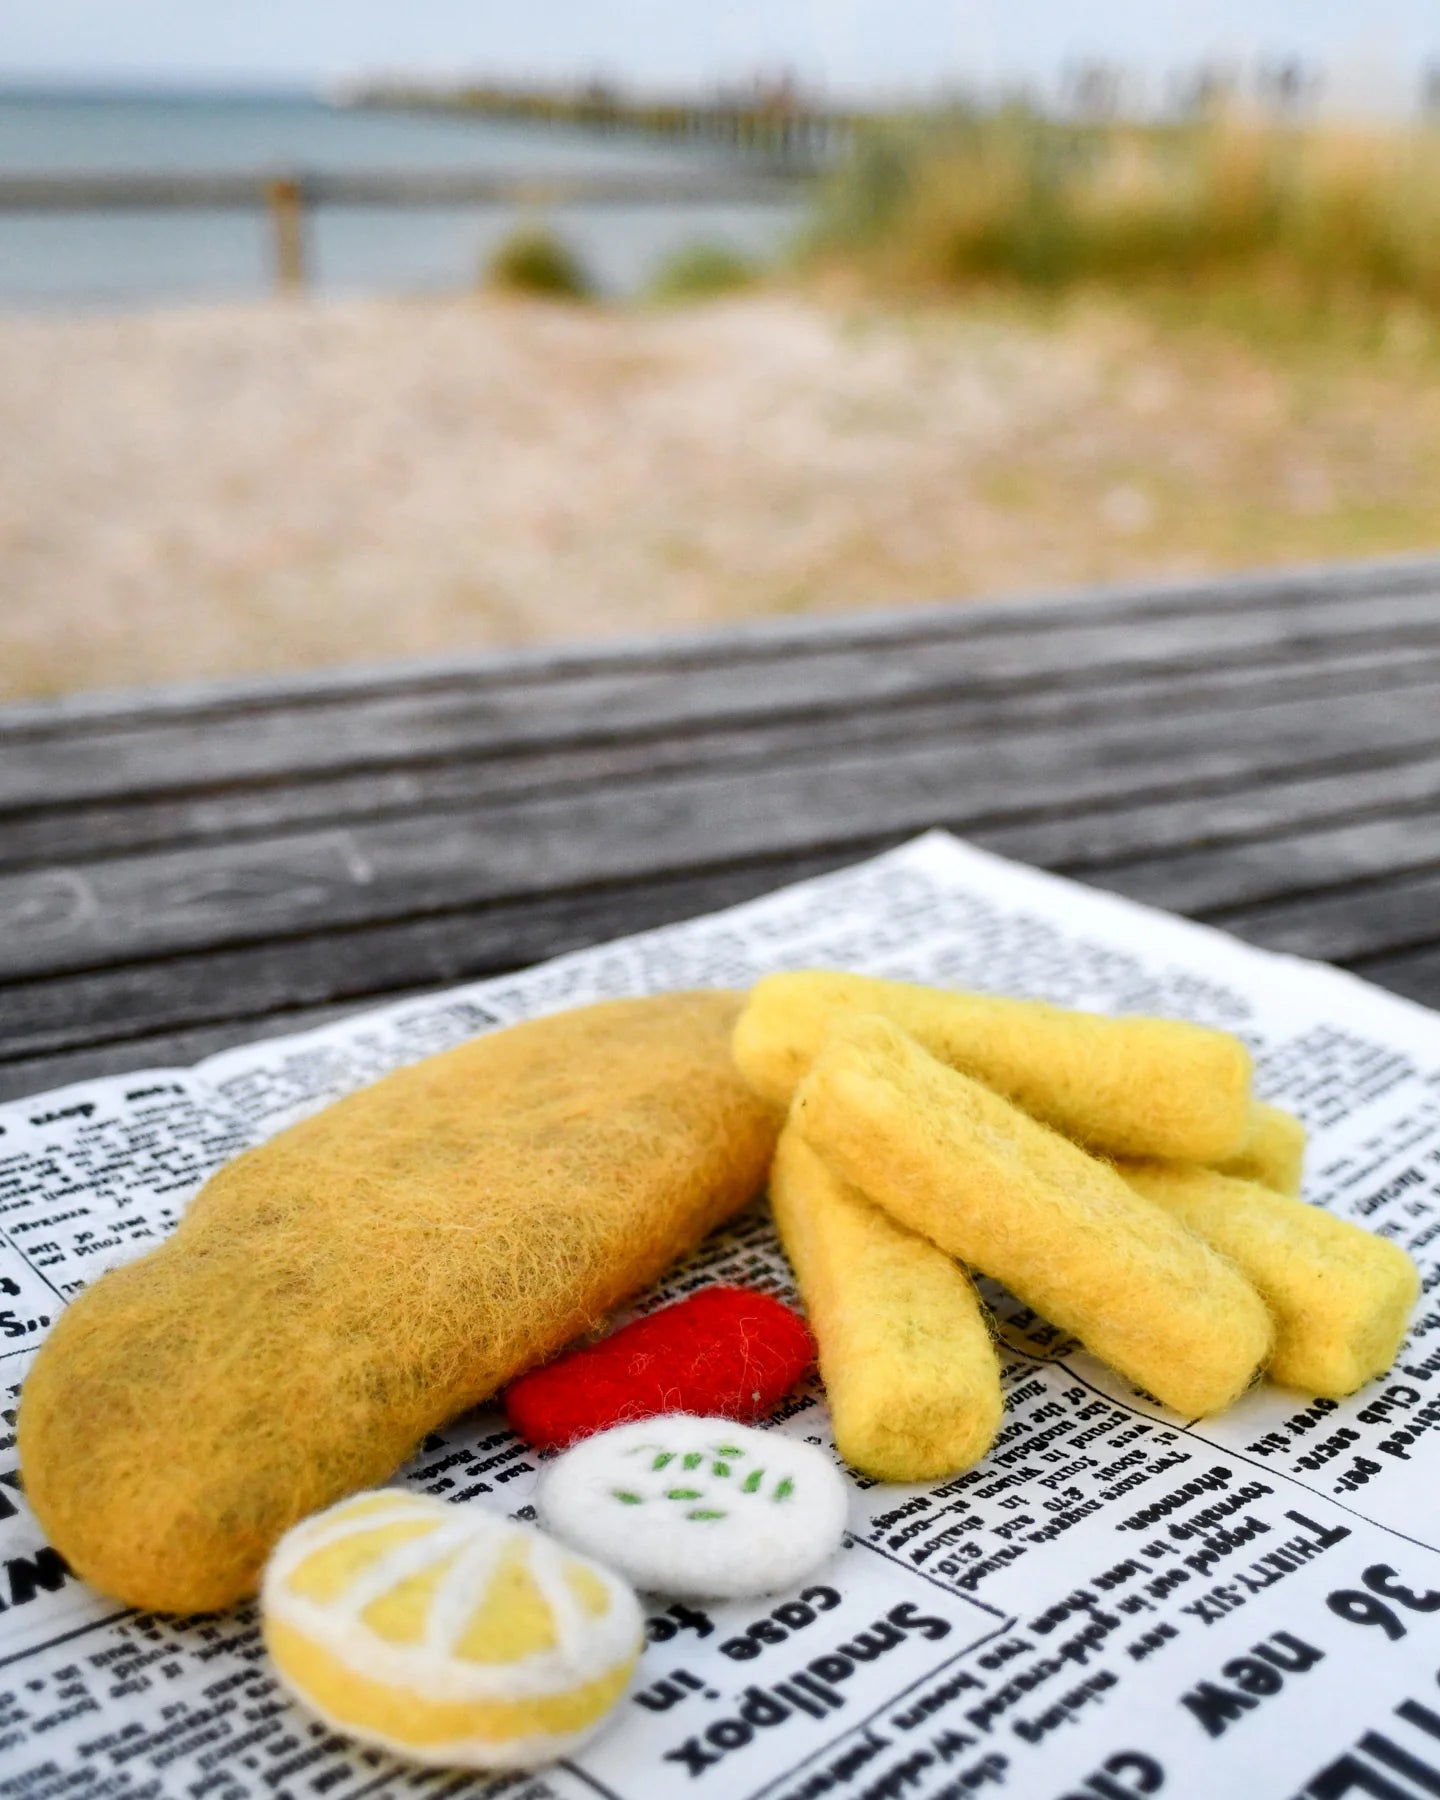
952,1160
1273,1152
445,1633
1341,1296
1127,1087
910,1372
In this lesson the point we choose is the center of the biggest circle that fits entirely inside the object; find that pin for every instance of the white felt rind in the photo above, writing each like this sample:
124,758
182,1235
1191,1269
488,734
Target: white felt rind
587,1648
699,1507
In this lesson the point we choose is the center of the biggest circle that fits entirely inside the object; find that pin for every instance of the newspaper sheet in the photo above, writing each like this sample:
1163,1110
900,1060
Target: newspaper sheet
1117,1602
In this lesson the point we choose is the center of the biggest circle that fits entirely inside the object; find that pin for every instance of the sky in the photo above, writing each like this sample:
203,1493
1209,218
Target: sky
1371,53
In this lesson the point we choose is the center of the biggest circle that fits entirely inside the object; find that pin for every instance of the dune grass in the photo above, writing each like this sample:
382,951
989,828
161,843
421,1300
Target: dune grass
701,270
1299,218
536,263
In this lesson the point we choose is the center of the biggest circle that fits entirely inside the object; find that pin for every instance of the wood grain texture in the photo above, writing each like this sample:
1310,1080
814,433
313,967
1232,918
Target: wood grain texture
34,835
189,869
535,703
86,915
1342,589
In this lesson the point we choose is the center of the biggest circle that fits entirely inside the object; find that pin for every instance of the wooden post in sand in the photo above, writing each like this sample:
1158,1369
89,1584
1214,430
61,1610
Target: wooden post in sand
287,220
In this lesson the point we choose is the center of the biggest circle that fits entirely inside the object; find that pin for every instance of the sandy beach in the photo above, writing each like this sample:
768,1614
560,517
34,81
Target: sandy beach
250,488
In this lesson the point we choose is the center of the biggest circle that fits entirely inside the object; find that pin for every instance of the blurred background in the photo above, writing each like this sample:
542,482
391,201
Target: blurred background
346,335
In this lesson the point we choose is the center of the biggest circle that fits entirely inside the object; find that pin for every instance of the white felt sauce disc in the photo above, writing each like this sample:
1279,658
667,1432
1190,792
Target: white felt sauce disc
693,1506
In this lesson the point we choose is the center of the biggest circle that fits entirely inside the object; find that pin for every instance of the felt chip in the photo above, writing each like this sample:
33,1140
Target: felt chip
446,1634
1125,1087
701,1507
910,1373
950,1159
1341,1297
725,1351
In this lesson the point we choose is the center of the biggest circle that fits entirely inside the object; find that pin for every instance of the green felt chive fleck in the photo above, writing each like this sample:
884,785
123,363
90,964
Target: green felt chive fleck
665,1456
752,1481
627,1499
701,1512
683,1494
784,1489
693,1460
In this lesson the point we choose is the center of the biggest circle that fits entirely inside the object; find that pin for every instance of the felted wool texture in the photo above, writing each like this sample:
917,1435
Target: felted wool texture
447,1634
910,1371
1127,1087
700,1507
1013,1199
334,1295
725,1352
1273,1153
1341,1297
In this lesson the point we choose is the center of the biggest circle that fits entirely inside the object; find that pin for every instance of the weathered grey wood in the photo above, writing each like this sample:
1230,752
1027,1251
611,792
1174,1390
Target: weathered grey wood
143,998
129,907
1241,861
1341,589
1365,920
252,741
1414,974
167,1050
44,1019
238,862
49,1014
1215,818
78,832
1287,865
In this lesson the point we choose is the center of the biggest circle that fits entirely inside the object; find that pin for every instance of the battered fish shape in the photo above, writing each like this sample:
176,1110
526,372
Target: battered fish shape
333,1296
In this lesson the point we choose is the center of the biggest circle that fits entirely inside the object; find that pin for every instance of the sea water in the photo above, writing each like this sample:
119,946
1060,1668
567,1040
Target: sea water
70,261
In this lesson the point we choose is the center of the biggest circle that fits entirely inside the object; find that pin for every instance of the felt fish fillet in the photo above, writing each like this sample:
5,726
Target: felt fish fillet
334,1295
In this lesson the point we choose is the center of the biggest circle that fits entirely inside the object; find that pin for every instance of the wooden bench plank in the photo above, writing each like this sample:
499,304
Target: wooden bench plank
478,938
1415,973
1213,820
1287,865
1365,920
266,741
1266,756
74,833
174,1050
68,1011
370,965
1332,594
134,907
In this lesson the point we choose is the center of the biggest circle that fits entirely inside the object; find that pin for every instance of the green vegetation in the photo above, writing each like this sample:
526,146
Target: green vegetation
701,271
533,261
1314,215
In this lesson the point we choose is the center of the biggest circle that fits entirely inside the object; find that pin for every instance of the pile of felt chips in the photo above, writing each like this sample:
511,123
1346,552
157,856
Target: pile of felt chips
1116,1174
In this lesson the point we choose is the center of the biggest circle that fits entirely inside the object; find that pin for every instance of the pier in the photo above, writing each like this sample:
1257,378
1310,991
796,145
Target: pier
771,124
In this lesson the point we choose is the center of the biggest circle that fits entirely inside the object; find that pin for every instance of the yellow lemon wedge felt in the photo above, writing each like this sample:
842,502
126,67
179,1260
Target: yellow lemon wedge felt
446,1634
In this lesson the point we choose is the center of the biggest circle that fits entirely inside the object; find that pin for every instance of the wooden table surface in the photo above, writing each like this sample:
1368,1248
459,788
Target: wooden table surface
188,869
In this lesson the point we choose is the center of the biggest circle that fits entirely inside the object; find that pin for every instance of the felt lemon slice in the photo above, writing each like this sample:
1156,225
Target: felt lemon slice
704,1507
446,1634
